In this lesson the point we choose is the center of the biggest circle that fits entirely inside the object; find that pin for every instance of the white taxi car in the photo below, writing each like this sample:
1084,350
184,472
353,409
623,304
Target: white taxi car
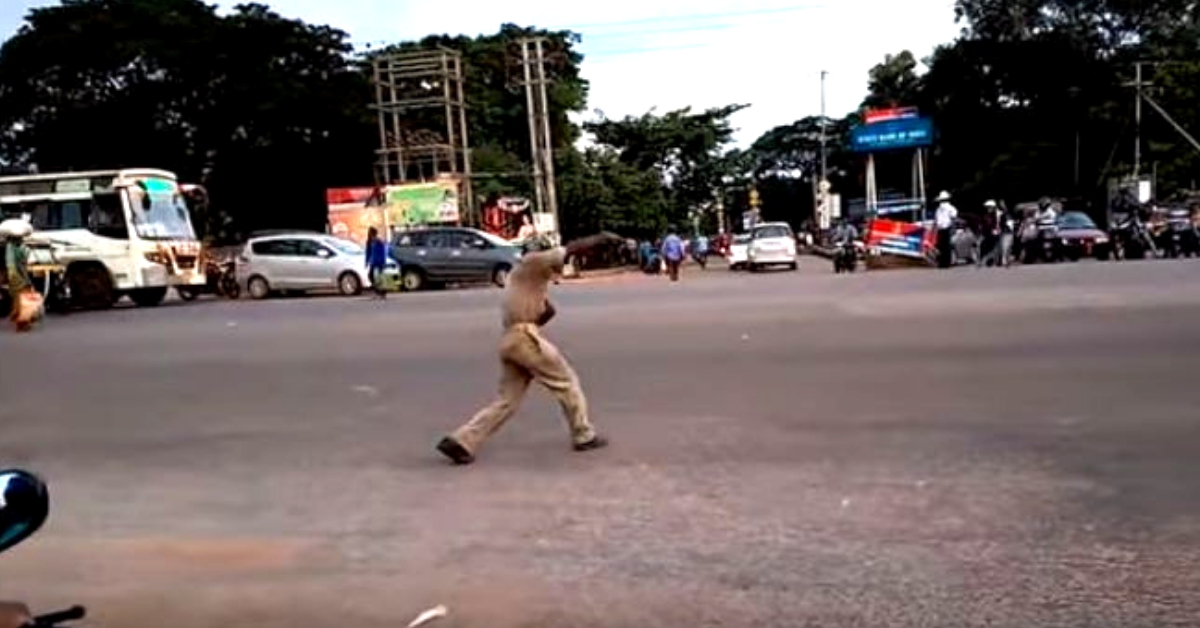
772,244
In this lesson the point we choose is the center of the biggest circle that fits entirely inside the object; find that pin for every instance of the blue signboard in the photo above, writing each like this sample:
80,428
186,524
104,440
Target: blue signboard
892,135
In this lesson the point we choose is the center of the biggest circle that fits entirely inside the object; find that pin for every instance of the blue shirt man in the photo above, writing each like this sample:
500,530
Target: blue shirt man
672,248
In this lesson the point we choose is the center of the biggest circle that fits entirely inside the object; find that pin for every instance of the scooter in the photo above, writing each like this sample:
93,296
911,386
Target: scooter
24,506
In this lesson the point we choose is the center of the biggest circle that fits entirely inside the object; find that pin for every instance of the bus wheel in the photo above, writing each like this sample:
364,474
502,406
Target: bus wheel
148,297
91,287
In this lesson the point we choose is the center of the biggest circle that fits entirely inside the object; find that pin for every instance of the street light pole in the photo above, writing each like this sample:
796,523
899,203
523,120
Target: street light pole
823,172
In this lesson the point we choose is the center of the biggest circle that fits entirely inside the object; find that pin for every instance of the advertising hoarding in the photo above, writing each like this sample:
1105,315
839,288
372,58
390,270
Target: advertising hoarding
892,135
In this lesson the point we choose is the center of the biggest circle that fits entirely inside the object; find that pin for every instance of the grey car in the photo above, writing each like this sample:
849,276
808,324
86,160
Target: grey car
442,255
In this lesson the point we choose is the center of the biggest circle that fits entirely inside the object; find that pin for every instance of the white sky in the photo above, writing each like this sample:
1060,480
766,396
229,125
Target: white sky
642,54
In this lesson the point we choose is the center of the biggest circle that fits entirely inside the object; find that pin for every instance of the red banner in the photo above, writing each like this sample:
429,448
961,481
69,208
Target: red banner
871,116
900,238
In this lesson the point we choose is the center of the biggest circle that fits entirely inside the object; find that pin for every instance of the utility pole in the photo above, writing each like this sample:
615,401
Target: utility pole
547,146
533,61
823,172
535,154
1137,114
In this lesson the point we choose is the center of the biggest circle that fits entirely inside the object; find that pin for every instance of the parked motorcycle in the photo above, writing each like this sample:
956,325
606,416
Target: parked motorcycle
845,258
24,506
221,280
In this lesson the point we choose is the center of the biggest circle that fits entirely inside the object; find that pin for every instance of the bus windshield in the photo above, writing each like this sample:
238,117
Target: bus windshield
160,212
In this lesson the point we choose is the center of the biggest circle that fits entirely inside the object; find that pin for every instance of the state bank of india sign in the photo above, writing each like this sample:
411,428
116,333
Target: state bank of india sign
892,135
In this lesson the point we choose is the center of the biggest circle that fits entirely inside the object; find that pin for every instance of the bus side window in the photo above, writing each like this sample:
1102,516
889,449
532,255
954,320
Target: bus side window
107,217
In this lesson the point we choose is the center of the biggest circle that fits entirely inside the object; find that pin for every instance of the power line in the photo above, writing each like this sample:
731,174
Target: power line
694,16
618,52
659,31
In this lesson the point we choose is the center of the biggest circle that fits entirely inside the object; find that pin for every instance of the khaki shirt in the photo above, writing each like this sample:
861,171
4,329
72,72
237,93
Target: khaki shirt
527,290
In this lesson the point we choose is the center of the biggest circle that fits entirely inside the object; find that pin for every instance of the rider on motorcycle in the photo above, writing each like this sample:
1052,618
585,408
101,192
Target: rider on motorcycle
843,237
844,233
1045,214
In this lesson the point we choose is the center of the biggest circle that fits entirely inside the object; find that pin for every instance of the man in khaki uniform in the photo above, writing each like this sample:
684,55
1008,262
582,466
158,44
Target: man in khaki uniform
525,356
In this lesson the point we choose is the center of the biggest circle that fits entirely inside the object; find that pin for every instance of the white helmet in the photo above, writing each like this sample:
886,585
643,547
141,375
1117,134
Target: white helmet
944,196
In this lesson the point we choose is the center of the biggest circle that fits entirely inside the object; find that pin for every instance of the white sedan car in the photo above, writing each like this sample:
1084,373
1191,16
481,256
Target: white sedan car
739,251
772,244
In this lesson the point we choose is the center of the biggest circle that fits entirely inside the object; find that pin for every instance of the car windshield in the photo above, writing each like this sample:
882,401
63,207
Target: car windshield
772,231
1076,220
345,246
159,212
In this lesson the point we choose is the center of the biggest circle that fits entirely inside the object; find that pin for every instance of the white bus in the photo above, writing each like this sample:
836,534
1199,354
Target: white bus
117,232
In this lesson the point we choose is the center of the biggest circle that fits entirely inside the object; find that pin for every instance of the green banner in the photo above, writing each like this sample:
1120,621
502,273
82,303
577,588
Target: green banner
422,203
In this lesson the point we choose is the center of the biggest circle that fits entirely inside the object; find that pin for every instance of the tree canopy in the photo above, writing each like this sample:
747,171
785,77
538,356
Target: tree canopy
1032,98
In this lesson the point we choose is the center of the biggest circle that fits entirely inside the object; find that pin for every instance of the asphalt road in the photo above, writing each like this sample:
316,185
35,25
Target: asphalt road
908,448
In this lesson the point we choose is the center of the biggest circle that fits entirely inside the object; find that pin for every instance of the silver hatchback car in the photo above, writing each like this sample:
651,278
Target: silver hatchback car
304,262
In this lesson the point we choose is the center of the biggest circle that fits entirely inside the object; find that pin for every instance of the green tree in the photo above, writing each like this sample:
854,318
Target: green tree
266,111
687,149
893,83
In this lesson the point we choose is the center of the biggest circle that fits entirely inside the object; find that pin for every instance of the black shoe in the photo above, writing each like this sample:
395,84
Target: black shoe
455,451
598,442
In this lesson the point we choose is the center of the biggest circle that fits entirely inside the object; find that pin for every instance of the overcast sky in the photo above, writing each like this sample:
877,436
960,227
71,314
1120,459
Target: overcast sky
642,54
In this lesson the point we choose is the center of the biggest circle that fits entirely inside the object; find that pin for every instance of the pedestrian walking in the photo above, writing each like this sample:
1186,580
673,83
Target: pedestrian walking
376,262
672,252
526,356
944,222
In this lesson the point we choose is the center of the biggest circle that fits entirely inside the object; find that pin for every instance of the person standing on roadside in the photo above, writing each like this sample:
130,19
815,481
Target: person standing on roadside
990,231
376,262
526,356
16,263
672,252
944,222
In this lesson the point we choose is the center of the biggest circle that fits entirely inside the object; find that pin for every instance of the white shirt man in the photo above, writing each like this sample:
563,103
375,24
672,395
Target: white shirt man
946,213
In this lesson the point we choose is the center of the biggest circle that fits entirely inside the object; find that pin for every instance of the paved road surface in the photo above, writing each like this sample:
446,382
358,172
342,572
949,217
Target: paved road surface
911,448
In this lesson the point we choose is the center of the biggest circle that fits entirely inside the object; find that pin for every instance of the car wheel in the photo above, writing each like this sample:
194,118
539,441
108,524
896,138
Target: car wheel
793,266
500,275
412,280
258,288
349,284
187,294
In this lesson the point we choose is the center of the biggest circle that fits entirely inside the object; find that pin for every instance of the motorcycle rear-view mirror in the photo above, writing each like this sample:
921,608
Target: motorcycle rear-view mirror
24,505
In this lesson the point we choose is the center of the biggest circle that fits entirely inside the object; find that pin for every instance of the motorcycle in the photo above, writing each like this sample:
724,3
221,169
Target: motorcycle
221,280
701,258
1043,246
845,258
1179,237
1131,239
24,506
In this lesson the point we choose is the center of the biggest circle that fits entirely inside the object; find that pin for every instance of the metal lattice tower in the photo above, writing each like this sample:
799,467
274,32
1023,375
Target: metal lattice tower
421,108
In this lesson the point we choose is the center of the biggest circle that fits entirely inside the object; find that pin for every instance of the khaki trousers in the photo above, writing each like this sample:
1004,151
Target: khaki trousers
525,356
